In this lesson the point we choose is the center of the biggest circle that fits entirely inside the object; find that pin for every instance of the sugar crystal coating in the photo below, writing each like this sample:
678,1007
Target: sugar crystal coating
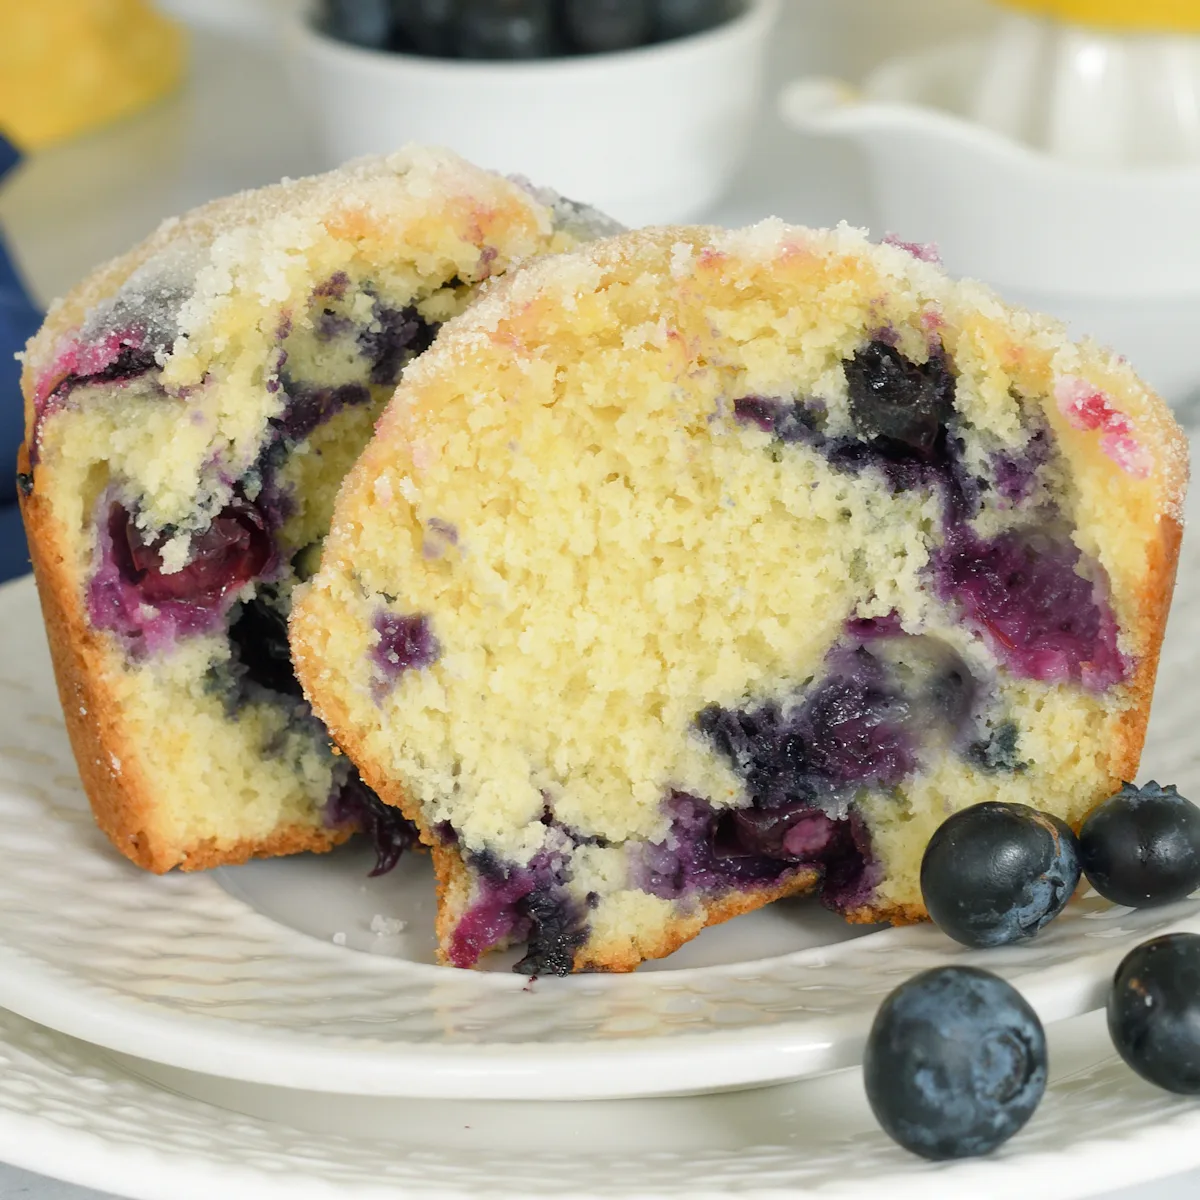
771,550
191,409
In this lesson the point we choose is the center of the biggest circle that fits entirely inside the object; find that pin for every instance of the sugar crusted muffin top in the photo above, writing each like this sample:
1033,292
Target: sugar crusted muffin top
545,546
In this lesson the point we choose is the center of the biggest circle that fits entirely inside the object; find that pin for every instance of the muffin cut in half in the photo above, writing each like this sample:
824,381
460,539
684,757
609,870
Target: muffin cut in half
696,569
190,411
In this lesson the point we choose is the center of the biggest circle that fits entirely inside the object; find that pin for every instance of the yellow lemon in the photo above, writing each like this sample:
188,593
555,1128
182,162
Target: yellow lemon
1162,16
70,65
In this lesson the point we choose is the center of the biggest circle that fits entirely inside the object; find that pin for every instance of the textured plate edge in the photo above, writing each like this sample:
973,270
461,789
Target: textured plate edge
1090,1166
567,1071
616,1068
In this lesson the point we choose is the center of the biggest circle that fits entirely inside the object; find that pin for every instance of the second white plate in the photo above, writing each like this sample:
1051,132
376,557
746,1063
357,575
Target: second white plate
273,974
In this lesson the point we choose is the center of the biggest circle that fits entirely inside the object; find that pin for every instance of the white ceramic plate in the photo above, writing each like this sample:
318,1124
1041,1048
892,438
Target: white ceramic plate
70,1110
238,973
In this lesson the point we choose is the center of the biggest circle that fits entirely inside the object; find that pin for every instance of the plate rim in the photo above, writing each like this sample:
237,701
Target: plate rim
66,1150
531,1070
573,1068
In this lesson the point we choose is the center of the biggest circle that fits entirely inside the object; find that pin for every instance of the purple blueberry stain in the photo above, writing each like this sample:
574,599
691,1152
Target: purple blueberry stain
394,336
439,537
997,751
310,406
487,256
528,904
492,916
1015,473
898,406
131,595
258,635
444,529
121,358
353,804
903,413
329,324
333,288
1023,593
806,759
708,851
849,730
702,855
405,642
922,251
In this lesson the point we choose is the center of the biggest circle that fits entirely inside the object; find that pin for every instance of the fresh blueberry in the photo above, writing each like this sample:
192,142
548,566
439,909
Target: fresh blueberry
424,26
897,405
996,873
955,1063
596,26
1154,1011
506,29
362,22
847,731
678,18
1141,847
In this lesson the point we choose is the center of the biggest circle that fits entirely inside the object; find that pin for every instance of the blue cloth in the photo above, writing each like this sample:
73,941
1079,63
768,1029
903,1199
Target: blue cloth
19,320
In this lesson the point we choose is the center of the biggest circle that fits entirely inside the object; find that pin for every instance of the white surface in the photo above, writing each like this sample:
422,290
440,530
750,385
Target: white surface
149,1132
1091,96
645,135
233,128
997,208
289,985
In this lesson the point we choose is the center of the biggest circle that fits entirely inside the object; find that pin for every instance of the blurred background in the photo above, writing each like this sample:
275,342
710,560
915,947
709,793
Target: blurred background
1050,147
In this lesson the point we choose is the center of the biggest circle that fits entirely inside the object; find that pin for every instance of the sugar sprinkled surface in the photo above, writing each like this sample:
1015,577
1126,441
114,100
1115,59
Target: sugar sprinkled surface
633,352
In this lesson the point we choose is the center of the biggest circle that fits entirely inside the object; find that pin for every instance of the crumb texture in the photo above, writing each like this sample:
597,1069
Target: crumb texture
191,410
748,558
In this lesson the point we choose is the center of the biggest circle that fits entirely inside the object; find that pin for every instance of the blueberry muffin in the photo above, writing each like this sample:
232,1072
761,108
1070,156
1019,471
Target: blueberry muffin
190,411
695,569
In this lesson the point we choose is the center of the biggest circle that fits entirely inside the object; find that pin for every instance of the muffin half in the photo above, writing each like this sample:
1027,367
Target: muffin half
190,412
695,569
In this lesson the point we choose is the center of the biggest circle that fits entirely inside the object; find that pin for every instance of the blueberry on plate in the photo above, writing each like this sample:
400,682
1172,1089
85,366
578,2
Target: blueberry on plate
1154,1011
362,22
996,873
598,26
505,29
678,18
1141,847
955,1063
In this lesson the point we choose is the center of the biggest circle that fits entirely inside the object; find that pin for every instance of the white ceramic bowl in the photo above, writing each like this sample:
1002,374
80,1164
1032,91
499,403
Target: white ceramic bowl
648,135
999,209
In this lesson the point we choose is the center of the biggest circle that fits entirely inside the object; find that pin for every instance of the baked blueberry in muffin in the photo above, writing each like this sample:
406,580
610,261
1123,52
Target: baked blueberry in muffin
695,569
190,412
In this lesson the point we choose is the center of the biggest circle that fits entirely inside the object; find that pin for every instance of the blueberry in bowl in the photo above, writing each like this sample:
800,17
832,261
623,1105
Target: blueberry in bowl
517,29
644,108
